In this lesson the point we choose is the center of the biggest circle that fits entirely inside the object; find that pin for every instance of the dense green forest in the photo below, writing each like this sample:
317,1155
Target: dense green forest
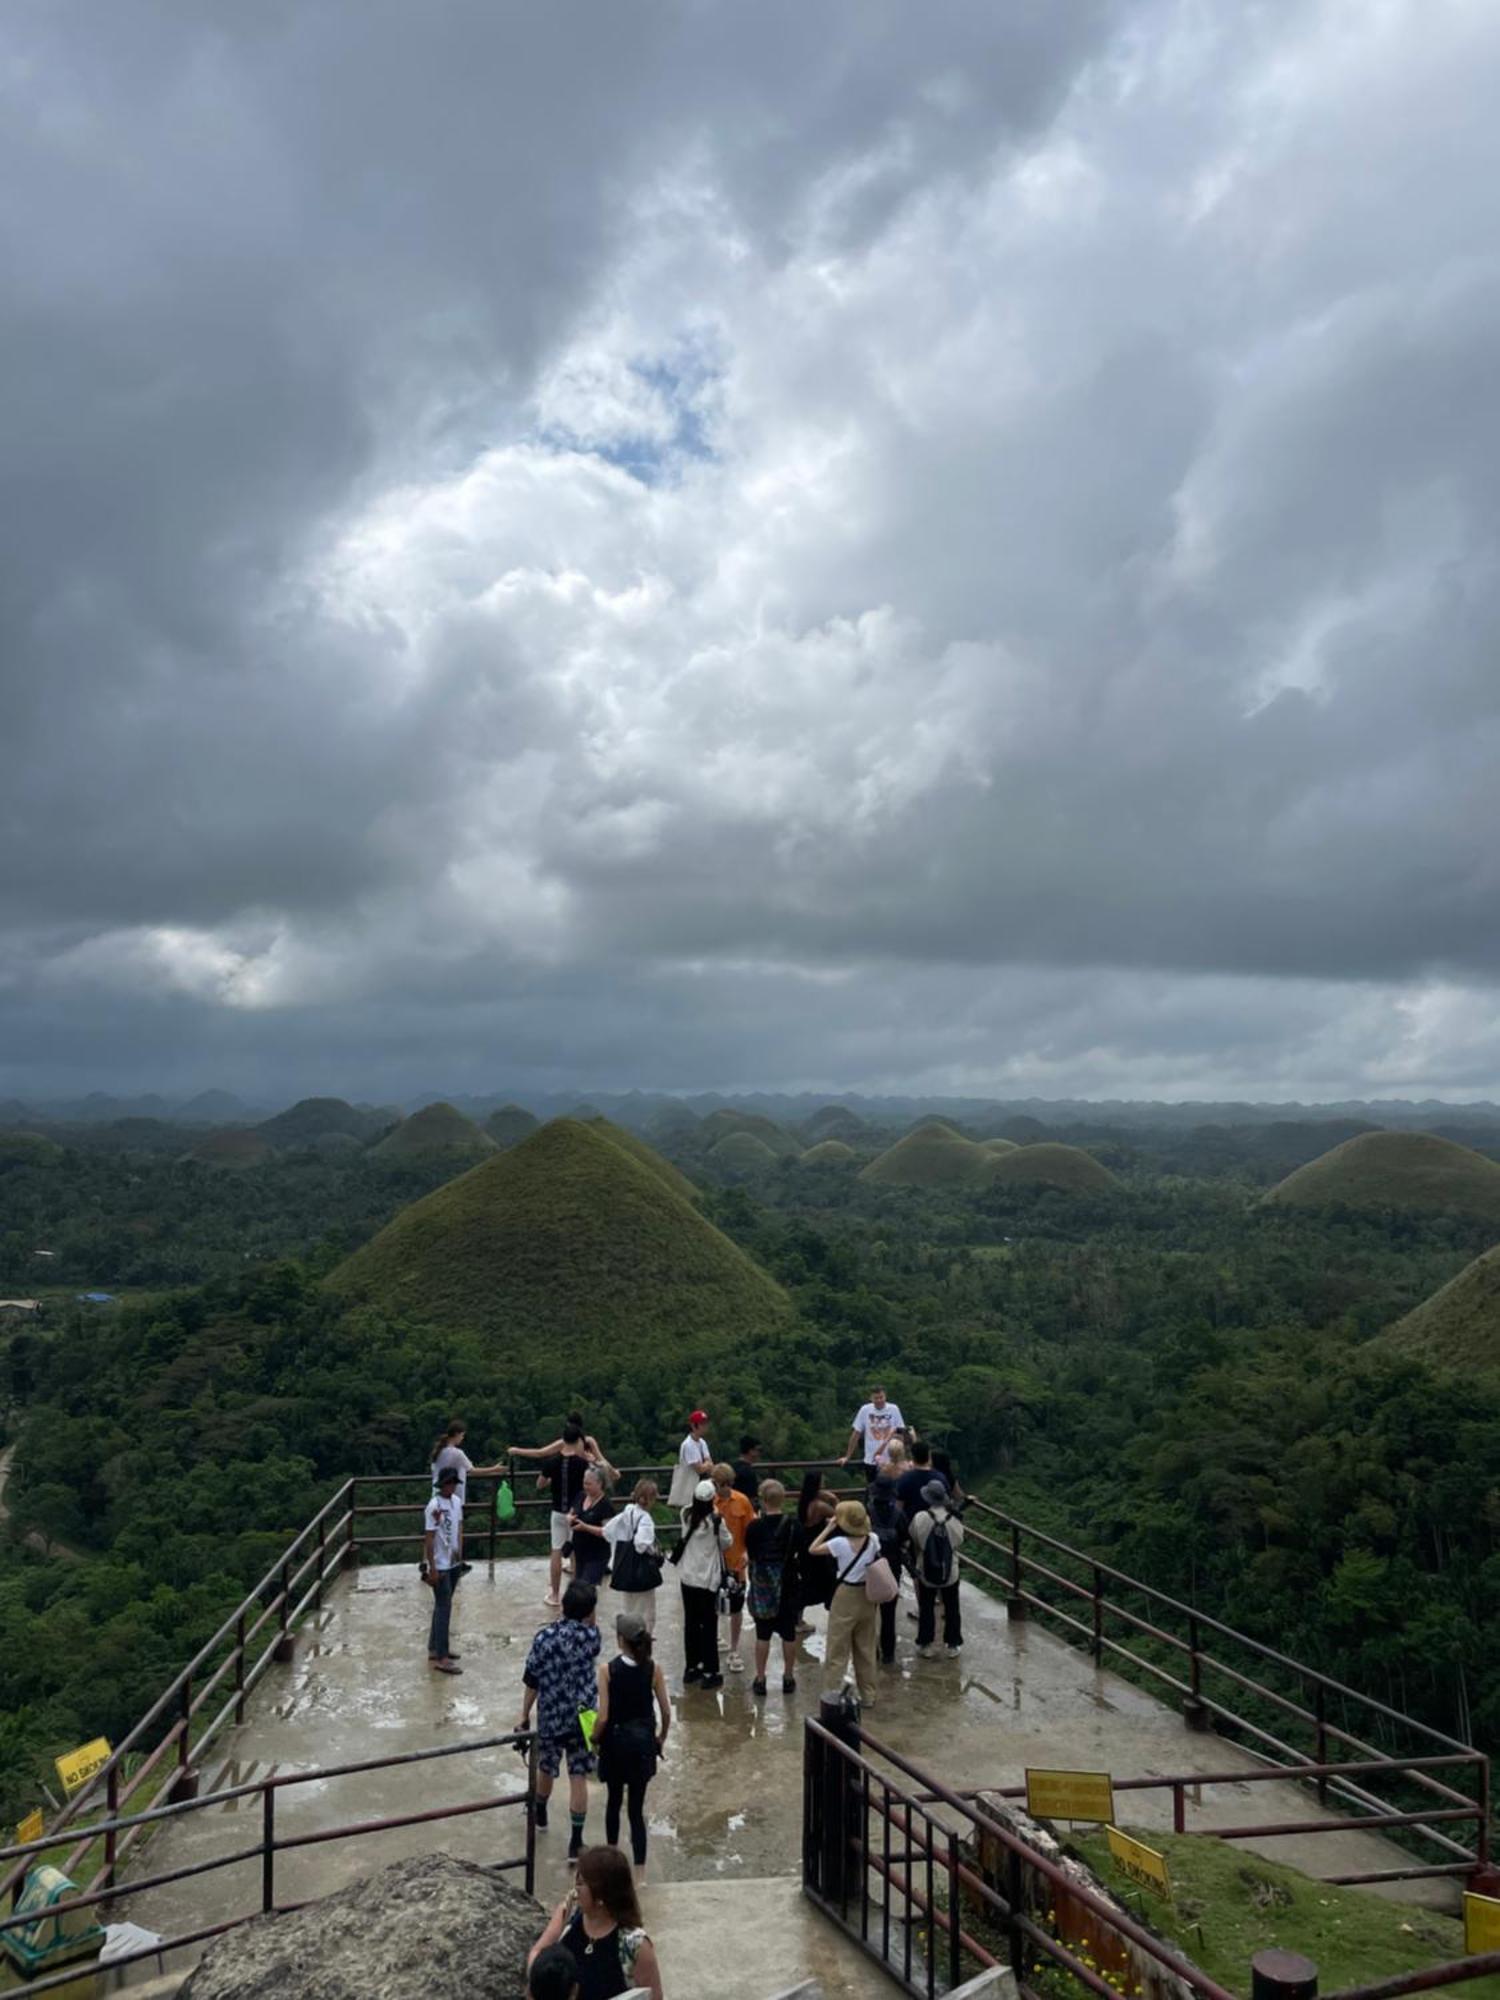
1174,1374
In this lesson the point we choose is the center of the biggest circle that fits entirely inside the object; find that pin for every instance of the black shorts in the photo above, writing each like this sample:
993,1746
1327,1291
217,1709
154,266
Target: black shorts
782,1626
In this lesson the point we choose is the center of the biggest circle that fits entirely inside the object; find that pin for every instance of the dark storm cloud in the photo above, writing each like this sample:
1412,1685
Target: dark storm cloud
734,545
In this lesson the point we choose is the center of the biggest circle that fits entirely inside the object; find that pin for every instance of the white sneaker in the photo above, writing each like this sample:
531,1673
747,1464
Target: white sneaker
735,1664
953,1651
925,1652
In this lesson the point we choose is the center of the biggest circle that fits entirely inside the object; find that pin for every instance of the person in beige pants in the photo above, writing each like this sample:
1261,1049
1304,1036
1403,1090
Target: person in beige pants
853,1618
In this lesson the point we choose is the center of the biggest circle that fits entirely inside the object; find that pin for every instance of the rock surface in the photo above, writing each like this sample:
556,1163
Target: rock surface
430,1928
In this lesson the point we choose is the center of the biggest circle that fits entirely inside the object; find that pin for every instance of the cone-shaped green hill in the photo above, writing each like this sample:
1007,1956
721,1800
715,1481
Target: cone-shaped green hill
565,1237
632,1143
1050,1165
1459,1326
510,1124
742,1153
999,1145
1397,1170
932,1156
311,1118
436,1128
829,1153
724,1124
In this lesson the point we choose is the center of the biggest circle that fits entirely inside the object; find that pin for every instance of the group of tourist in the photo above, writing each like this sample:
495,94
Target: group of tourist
744,1548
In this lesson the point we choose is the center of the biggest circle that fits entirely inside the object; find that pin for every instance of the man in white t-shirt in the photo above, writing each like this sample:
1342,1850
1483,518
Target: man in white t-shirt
876,1427
443,1525
694,1460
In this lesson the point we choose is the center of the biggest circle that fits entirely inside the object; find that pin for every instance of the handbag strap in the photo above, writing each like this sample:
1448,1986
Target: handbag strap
853,1560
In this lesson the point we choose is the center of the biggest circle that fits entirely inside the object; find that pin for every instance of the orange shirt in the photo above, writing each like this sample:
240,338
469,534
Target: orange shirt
736,1512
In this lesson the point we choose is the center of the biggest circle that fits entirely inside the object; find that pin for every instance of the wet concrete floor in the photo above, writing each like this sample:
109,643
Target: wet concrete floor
726,1804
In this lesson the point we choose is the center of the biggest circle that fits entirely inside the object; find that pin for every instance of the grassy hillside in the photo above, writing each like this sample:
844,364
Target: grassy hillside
829,1153
932,1156
998,1145
636,1147
1227,1904
834,1121
1412,1170
723,1124
564,1234
1459,1326
1048,1164
742,1153
311,1117
510,1125
436,1128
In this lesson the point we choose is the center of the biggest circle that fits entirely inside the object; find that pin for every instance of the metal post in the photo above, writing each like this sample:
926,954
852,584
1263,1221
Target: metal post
322,1551
185,1783
1320,1737
268,1849
112,1812
285,1644
239,1668
1194,1710
835,1802
494,1496
1015,1603
1098,1615
531,1818
955,1949
1179,1808
1282,1975
351,1545
1015,1891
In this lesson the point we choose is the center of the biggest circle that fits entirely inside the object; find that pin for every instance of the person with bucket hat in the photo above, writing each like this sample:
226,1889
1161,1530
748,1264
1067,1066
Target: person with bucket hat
854,1615
937,1535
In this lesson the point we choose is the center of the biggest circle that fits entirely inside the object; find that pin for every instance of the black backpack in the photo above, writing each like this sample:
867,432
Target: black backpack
937,1555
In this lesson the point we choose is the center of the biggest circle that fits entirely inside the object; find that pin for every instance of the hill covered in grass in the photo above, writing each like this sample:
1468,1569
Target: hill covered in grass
510,1125
834,1121
1459,1326
724,1124
632,1143
742,1153
313,1118
932,1156
436,1128
1395,1170
565,1237
1048,1164
829,1153
999,1145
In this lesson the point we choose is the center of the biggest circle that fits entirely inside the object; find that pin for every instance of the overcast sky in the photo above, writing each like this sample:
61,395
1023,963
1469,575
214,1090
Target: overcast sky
703,545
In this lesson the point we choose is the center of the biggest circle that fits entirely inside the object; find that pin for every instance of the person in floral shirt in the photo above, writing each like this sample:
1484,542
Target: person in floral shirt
559,1682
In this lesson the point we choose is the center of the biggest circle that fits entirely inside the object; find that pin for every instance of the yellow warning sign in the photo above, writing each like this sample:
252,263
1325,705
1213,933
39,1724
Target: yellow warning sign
1141,1863
1087,1795
80,1765
1481,1924
32,1827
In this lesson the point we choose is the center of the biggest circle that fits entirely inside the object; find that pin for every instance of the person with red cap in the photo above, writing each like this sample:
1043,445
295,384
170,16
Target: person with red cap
694,1461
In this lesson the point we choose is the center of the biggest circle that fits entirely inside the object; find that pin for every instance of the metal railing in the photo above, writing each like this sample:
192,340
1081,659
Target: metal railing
934,1887
1168,1644
116,1830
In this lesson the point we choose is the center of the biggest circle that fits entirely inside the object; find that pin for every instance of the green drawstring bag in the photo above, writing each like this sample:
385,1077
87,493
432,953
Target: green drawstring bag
505,1502
588,1719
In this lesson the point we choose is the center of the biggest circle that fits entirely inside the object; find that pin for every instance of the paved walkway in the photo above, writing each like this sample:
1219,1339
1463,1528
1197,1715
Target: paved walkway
726,1806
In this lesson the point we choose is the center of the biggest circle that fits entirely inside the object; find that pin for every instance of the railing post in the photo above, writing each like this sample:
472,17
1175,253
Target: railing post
1179,1807
1015,1603
322,1551
834,1802
351,1545
531,1818
1098,1616
111,1812
185,1783
1282,1975
1015,1892
239,1668
1320,1736
1194,1712
955,1949
268,1849
285,1644
494,1498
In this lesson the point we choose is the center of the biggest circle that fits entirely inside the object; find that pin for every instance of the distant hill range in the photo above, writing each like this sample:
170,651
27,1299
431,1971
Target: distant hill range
565,1235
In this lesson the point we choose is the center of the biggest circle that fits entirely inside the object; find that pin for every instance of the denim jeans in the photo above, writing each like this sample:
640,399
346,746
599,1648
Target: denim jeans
442,1608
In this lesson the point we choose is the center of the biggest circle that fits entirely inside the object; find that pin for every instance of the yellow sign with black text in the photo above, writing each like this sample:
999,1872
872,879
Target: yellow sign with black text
1141,1863
80,1765
32,1827
1481,1924
1085,1795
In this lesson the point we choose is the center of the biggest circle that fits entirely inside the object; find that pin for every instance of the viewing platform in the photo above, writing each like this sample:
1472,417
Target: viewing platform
726,1807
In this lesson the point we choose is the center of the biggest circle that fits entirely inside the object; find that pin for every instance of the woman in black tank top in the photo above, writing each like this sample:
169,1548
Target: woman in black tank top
632,1696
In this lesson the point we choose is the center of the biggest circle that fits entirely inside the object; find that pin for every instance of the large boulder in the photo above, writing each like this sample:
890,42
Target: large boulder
430,1928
